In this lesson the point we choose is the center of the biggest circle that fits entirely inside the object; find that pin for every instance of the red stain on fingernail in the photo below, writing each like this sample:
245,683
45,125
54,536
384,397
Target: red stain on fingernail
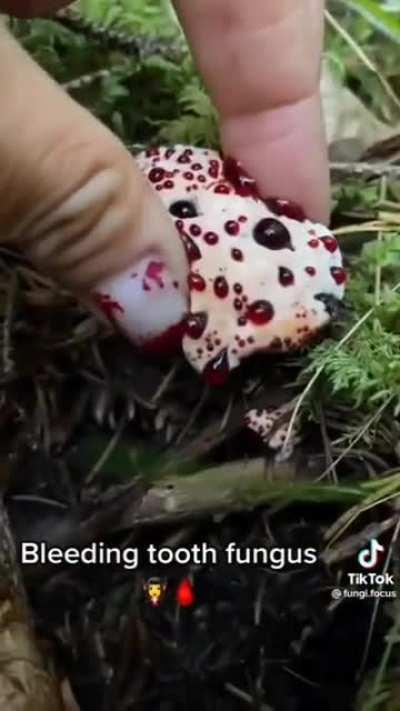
153,274
107,305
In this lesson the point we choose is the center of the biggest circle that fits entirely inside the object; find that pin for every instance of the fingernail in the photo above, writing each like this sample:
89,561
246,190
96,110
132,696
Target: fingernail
146,303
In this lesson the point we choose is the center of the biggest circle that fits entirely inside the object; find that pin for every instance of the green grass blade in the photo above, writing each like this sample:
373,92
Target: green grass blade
385,21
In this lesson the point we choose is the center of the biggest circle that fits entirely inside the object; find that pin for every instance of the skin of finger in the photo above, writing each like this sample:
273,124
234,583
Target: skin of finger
264,79
31,8
76,202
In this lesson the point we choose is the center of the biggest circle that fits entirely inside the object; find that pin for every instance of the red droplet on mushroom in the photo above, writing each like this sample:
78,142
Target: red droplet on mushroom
330,243
195,324
156,174
242,321
188,175
272,234
197,166
192,251
286,276
201,178
338,274
222,188
169,152
211,238
168,184
221,287
240,180
260,312
313,243
237,255
153,151
196,282
237,288
216,371
311,271
213,169
242,218
232,227
286,208
238,304
195,230
185,157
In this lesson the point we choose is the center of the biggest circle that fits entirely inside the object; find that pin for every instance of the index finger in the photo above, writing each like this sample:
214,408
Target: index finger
260,61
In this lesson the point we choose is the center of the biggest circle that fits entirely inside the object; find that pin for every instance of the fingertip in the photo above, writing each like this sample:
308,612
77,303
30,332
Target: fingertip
284,149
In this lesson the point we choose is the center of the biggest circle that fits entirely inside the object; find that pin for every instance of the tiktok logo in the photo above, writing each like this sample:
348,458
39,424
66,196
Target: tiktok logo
368,557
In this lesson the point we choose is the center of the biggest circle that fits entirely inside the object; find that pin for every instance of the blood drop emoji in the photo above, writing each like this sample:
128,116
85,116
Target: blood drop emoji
185,594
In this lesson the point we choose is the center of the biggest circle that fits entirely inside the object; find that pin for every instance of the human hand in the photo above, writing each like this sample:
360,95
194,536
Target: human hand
91,217
260,60
75,202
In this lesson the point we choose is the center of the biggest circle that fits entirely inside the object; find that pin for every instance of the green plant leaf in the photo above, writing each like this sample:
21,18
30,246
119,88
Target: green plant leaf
382,19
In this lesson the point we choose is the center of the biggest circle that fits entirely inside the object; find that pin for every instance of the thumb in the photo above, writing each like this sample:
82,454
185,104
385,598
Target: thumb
74,201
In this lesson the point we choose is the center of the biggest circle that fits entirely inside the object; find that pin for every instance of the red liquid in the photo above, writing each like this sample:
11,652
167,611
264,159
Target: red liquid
166,344
339,275
240,180
272,234
216,372
286,208
211,238
108,306
232,227
221,287
260,312
195,324
196,282
156,174
286,276
330,243
192,251
237,255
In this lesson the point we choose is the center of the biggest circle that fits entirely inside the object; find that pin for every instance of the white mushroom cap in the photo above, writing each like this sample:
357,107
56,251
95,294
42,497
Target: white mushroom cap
263,277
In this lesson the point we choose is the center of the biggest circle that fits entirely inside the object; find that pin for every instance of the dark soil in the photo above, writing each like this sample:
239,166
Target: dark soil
255,637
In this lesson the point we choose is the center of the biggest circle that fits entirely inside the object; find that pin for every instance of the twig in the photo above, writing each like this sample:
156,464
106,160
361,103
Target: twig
357,438
363,56
86,80
349,547
378,270
235,486
232,689
107,451
364,170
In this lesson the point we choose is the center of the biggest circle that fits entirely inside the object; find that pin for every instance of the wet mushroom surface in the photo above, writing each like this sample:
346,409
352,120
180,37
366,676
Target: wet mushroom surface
263,277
